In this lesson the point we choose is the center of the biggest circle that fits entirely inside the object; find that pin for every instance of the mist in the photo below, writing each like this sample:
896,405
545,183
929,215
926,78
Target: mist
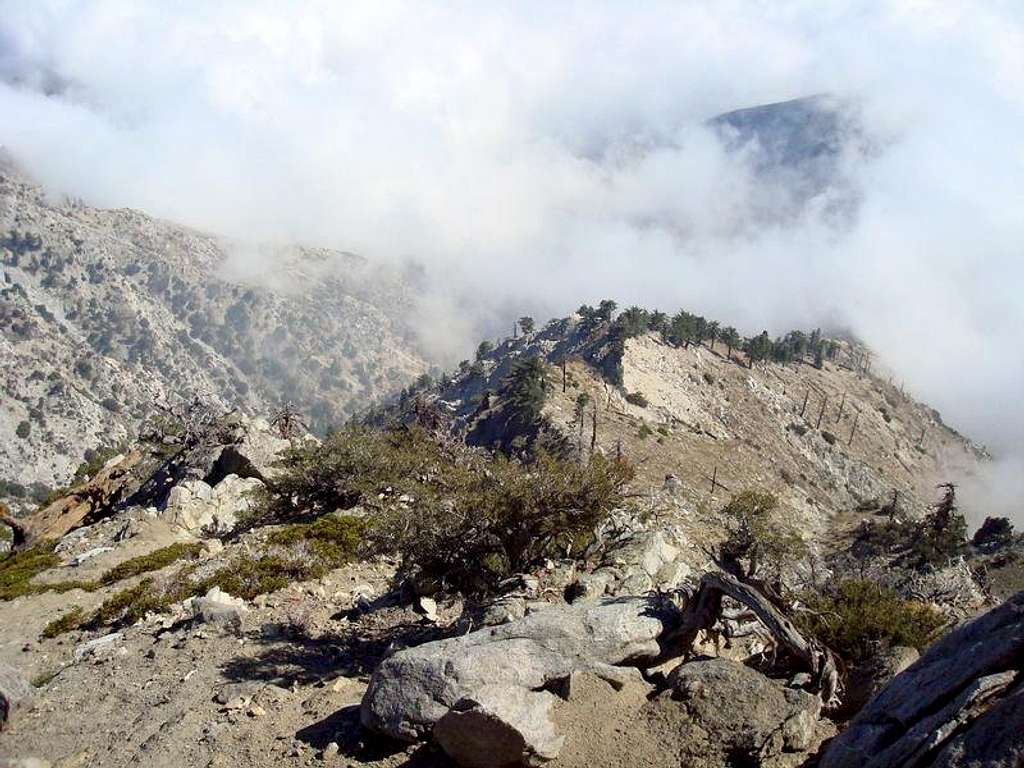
535,156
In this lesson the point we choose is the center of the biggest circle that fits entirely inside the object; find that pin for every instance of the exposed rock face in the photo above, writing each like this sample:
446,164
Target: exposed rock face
500,725
745,716
961,704
873,675
410,691
195,506
15,692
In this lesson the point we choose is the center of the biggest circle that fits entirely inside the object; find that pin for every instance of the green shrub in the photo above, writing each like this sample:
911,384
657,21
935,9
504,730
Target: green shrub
860,617
71,620
18,569
129,605
332,540
637,398
23,430
644,432
757,539
153,561
505,518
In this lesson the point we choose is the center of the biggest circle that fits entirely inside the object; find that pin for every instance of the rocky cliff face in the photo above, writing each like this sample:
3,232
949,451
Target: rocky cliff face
104,313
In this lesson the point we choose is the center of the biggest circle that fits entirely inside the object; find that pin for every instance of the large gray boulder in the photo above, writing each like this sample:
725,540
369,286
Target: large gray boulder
741,713
500,725
15,692
412,690
961,704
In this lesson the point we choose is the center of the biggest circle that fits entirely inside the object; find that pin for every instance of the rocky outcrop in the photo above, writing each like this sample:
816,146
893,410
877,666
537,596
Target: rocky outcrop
412,690
87,503
194,506
961,704
219,608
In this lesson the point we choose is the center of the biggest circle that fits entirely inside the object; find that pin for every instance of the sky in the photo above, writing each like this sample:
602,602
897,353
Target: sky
533,156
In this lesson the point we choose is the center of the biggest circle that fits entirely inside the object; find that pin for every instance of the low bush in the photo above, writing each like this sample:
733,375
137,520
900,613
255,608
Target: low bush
18,569
758,539
637,398
152,561
860,617
71,620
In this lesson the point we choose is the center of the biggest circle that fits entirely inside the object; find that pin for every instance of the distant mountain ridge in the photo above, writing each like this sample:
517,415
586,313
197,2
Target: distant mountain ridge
104,313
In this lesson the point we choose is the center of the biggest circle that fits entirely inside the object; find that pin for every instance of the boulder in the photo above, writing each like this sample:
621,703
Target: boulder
500,725
218,607
743,714
15,693
867,679
196,506
412,690
960,704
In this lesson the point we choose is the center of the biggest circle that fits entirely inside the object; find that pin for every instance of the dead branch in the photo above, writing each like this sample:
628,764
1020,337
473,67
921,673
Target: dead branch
705,608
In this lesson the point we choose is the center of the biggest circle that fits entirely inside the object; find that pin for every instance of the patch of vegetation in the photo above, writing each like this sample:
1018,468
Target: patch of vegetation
828,437
759,542
152,561
644,432
503,518
18,569
663,431
131,604
71,620
95,458
860,617
332,540
43,678
637,398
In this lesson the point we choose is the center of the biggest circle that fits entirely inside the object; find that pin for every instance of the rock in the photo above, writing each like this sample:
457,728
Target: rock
15,692
867,679
218,607
331,750
413,689
77,560
97,647
426,607
500,725
212,547
743,713
960,704
195,506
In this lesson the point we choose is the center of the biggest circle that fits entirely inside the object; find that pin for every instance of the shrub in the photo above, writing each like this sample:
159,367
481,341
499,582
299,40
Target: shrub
860,617
18,569
828,437
757,538
503,519
332,540
23,430
71,620
644,432
153,561
637,398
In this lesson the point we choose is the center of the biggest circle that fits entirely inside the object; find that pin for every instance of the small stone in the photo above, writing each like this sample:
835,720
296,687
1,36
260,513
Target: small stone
257,711
330,750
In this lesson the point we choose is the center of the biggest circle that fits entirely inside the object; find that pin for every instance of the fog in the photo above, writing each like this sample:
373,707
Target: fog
534,156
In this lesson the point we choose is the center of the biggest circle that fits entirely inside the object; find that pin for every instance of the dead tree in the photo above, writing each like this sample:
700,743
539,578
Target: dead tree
853,429
289,424
842,405
704,609
821,413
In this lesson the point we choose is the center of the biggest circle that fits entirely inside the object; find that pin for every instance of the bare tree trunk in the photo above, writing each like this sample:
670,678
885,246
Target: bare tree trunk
705,608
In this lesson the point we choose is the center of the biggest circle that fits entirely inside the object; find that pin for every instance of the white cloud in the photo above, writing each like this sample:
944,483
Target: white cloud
537,155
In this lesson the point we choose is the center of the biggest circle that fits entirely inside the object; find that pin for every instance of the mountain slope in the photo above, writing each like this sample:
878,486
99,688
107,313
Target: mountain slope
105,312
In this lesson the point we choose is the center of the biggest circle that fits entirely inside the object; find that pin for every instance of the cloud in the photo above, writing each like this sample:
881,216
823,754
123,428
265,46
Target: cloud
535,155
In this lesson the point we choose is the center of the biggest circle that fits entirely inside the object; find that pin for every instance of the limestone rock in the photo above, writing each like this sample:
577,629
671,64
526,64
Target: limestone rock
410,691
195,506
500,725
218,607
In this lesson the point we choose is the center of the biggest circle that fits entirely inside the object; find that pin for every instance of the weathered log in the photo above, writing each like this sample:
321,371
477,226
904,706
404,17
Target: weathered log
705,608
